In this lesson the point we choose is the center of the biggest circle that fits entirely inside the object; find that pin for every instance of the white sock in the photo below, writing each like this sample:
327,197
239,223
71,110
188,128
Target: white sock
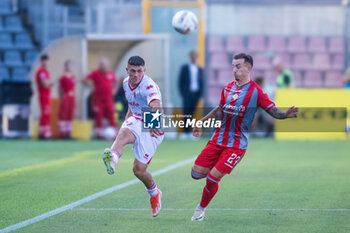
153,190
200,207
115,158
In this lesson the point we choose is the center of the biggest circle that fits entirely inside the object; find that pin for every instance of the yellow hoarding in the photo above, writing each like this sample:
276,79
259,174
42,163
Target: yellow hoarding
323,114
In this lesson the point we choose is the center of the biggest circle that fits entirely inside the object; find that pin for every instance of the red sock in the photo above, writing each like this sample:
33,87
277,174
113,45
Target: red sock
209,190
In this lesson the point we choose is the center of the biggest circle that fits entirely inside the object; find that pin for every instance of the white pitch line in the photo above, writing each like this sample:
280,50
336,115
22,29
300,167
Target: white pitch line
212,209
91,197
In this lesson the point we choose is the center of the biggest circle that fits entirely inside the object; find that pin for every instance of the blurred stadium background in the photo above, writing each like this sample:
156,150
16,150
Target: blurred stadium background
312,39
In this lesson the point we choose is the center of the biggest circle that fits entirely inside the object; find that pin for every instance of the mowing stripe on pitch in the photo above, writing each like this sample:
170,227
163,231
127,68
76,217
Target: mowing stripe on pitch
213,209
91,197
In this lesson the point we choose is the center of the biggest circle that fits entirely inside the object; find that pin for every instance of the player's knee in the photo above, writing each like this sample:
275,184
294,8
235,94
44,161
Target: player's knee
138,172
124,138
197,175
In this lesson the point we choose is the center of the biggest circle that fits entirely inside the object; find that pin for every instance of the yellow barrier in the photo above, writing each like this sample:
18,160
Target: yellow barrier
82,130
322,104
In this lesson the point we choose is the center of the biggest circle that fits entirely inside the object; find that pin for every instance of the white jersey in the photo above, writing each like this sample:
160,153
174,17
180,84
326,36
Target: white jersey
139,97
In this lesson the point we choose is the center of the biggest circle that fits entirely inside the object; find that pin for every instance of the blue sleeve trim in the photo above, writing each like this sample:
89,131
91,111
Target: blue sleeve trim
268,107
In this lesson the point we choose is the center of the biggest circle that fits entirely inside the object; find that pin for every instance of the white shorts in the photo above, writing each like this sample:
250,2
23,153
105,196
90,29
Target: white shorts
145,145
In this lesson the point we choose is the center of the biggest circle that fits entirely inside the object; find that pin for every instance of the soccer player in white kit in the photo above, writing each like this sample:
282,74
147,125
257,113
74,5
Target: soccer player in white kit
141,93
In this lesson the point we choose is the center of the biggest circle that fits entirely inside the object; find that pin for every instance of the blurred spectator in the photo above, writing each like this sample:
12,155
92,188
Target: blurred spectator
103,84
263,124
67,100
347,79
191,89
44,85
285,76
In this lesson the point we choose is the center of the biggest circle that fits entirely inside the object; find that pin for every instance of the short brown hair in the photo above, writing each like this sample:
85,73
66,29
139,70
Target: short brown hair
247,58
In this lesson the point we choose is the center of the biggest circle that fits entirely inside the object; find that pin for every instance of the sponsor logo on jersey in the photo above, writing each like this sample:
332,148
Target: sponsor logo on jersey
234,110
235,96
153,94
133,104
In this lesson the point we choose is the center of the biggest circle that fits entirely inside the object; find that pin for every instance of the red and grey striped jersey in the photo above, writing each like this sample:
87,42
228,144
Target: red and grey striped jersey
238,106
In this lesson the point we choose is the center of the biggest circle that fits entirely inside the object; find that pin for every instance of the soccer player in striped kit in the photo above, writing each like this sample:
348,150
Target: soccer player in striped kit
228,144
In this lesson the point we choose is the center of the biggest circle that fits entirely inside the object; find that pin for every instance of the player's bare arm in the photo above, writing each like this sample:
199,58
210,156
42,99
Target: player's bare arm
60,91
128,114
215,113
88,83
155,105
116,85
46,83
277,113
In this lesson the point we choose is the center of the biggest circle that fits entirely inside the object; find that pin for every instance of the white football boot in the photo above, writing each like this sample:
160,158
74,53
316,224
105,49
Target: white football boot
198,215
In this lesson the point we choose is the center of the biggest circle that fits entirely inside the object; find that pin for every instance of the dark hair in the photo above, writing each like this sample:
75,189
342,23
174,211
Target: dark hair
44,57
247,58
136,61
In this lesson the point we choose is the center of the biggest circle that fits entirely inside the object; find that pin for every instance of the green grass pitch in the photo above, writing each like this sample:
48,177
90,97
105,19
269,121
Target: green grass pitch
279,186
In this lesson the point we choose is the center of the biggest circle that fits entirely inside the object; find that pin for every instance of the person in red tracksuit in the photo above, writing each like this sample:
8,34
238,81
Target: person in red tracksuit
103,82
44,85
67,100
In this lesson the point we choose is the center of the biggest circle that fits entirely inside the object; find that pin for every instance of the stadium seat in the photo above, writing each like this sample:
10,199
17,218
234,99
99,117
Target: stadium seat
276,43
261,62
302,61
215,44
256,44
313,79
321,62
338,62
225,76
20,74
219,61
5,8
4,73
13,58
235,44
5,41
256,73
13,24
214,94
29,57
336,45
23,41
285,59
296,44
212,78
298,81
333,79
1,25
317,44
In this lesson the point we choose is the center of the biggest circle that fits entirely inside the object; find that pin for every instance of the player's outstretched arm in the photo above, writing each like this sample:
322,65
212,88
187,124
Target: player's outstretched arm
215,113
277,113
